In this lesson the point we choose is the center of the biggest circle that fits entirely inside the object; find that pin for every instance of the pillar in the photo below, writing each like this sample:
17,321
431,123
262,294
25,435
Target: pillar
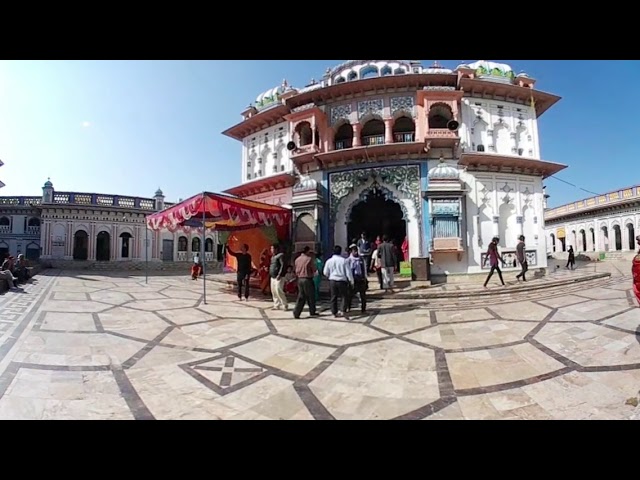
388,130
357,129
92,242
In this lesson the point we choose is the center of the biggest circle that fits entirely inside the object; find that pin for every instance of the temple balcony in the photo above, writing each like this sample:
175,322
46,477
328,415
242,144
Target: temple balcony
404,137
5,229
33,230
441,138
444,245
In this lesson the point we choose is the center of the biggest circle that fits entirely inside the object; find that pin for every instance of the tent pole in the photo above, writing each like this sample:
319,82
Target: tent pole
203,257
146,253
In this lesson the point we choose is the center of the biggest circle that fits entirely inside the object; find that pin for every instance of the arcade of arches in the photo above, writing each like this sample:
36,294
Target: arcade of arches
615,239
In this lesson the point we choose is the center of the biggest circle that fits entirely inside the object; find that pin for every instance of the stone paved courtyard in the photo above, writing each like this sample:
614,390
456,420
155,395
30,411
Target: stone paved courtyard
88,346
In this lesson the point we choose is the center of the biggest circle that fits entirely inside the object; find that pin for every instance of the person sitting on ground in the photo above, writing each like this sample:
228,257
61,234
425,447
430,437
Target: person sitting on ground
6,272
290,281
20,270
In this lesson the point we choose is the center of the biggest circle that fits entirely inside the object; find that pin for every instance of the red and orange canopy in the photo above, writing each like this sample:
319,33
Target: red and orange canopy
220,212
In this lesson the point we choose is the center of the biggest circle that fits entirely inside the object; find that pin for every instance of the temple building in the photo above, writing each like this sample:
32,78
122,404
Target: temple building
603,223
80,230
446,158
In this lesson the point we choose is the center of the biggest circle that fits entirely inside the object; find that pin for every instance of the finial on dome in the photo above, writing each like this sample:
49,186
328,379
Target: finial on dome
285,84
436,64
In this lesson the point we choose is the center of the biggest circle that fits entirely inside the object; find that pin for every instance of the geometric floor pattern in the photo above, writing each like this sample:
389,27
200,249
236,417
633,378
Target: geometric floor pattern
81,346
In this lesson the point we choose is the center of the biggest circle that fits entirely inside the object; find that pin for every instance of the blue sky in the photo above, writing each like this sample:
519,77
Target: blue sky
128,127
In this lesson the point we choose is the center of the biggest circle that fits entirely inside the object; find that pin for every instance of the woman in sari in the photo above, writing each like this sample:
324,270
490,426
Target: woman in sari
405,249
318,277
263,272
635,270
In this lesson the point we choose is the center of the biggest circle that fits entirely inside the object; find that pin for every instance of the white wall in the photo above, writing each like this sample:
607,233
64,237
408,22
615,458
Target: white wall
262,146
484,204
508,136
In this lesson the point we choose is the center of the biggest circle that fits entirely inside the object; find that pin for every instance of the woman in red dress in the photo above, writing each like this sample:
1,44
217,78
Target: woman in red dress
635,270
263,272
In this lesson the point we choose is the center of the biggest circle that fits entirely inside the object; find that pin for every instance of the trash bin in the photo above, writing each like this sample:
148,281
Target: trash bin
420,269
602,256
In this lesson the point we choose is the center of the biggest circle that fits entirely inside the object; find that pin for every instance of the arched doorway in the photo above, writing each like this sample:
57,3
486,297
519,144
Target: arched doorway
103,249
618,237
125,244
583,238
80,245
631,233
377,215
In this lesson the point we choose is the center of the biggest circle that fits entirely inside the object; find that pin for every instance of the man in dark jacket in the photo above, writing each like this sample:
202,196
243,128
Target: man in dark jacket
244,269
388,260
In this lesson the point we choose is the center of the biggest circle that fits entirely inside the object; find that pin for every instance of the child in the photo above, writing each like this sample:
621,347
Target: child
290,282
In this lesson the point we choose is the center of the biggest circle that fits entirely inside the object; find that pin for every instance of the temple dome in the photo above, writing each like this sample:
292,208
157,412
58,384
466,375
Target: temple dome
361,69
159,192
499,72
271,96
443,171
436,68
48,183
305,183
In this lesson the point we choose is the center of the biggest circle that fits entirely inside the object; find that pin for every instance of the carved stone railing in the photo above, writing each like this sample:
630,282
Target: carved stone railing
182,256
20,201
33,230
76,198
208,256
5,229
441,133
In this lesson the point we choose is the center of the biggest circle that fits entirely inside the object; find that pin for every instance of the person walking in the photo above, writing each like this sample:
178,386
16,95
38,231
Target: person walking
388,262
243,269
317,279
364,250
277,273
571,261
358,268
305,270
195,268
493,256
340,277
522,259
377,266
635,271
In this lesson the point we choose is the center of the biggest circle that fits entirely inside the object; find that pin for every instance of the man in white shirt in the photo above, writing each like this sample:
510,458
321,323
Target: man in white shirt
340,278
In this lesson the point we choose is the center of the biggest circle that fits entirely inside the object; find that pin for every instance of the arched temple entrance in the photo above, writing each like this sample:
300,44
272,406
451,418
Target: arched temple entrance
103,250
376,214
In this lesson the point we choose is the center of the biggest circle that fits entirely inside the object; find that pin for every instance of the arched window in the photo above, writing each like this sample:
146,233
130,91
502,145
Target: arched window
208,245
305,135
344,136
369,71
195,245
404,130
182,244
373,133
439,115
125,248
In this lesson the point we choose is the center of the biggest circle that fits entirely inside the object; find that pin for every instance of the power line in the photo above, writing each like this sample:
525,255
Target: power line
575,186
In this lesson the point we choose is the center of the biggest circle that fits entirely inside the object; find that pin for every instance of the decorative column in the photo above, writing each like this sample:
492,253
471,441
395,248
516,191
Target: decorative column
92,242
520,222
357,129
388,130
